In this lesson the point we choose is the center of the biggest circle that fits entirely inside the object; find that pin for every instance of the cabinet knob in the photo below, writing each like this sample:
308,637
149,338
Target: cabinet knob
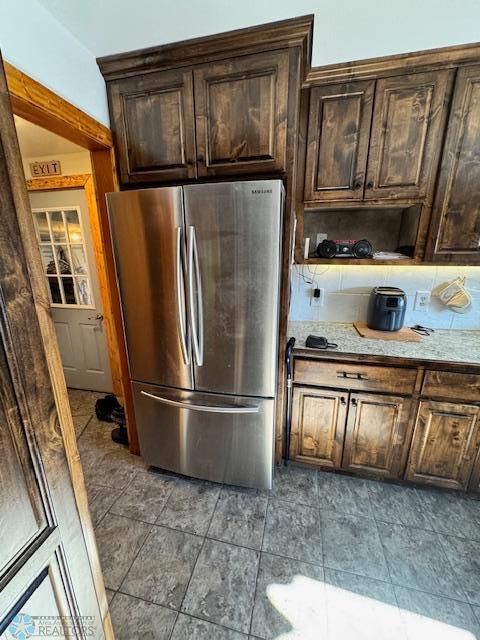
357,185
354,402
369,185
342,400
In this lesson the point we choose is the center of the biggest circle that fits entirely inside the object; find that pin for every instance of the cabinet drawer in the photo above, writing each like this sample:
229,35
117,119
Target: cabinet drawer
451,385
352,376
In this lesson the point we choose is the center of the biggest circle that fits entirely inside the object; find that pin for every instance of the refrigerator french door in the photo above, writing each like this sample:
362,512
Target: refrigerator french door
198,270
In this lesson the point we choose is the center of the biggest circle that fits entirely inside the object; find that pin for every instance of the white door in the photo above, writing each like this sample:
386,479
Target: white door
63,232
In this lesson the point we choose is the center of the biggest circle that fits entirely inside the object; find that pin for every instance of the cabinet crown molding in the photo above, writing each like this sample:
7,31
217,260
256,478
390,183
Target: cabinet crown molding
372,68
294,32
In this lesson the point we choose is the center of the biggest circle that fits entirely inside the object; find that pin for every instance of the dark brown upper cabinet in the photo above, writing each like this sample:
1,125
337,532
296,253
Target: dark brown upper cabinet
154,125
241,114
218,106
337,140
455,230
224,118
407,126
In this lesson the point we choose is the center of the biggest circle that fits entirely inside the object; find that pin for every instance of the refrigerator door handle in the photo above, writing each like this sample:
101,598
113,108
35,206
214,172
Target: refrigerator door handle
196,325
200,407
181,305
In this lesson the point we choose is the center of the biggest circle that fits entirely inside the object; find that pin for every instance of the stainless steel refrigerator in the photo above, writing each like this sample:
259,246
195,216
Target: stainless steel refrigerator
198,270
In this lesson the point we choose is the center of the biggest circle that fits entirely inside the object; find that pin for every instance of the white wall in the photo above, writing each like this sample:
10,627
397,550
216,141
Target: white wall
71,163
344,29
37,44
347,289
37,41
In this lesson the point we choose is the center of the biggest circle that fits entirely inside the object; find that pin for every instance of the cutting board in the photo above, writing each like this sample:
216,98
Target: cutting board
405,334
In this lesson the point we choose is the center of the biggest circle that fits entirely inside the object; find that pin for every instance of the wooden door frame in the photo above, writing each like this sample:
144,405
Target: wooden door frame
60,415
34,102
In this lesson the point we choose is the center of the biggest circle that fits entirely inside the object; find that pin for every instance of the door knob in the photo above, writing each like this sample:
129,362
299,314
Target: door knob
98,316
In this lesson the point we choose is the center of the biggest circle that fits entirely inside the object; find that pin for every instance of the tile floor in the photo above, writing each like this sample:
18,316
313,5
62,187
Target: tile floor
322,556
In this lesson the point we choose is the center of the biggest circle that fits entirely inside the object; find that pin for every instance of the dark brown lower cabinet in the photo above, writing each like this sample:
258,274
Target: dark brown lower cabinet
318,426
474,483
358,432
445,443
376,438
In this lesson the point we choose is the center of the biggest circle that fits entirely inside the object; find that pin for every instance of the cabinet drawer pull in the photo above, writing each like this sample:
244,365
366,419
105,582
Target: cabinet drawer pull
352,376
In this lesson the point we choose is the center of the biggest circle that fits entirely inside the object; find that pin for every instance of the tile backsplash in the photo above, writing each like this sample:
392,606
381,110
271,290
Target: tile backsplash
347,289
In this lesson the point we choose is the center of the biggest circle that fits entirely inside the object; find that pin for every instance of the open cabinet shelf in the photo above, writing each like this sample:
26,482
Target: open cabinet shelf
357,261
389,227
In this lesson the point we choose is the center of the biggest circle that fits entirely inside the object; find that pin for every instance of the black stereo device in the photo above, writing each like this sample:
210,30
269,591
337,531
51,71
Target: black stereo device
344,248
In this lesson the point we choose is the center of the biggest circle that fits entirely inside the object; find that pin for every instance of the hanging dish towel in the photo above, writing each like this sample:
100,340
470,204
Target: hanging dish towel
454,295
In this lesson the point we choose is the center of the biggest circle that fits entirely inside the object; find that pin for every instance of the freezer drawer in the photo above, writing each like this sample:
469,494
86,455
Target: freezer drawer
215,437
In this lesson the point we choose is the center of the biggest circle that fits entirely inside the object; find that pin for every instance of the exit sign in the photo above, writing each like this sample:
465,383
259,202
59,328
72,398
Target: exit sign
47,168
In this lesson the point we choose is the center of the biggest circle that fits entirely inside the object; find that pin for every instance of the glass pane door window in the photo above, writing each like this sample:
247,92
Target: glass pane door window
62,247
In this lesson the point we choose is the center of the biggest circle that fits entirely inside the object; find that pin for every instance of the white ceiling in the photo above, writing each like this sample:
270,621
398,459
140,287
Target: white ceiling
35,141
344,29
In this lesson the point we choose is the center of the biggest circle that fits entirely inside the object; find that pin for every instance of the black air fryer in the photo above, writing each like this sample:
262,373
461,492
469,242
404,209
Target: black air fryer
386,309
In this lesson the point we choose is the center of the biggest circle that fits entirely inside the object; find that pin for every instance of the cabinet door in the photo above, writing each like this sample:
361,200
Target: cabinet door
318,426
241,114
455,231
154,127
376,437
444,444
408,121
474,482
337,141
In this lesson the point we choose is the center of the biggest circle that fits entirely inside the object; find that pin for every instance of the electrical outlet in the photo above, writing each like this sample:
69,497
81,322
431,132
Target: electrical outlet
321,237
422,298
317,300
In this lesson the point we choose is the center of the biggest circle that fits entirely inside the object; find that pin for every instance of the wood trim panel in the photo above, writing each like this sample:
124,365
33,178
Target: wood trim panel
445,57
296,63
37,104
296,32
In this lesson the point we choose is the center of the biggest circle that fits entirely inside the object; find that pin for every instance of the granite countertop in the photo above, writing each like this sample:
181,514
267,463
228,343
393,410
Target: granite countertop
446,345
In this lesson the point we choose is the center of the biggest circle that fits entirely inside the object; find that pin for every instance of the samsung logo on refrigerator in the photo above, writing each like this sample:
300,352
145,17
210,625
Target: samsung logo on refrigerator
261,191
